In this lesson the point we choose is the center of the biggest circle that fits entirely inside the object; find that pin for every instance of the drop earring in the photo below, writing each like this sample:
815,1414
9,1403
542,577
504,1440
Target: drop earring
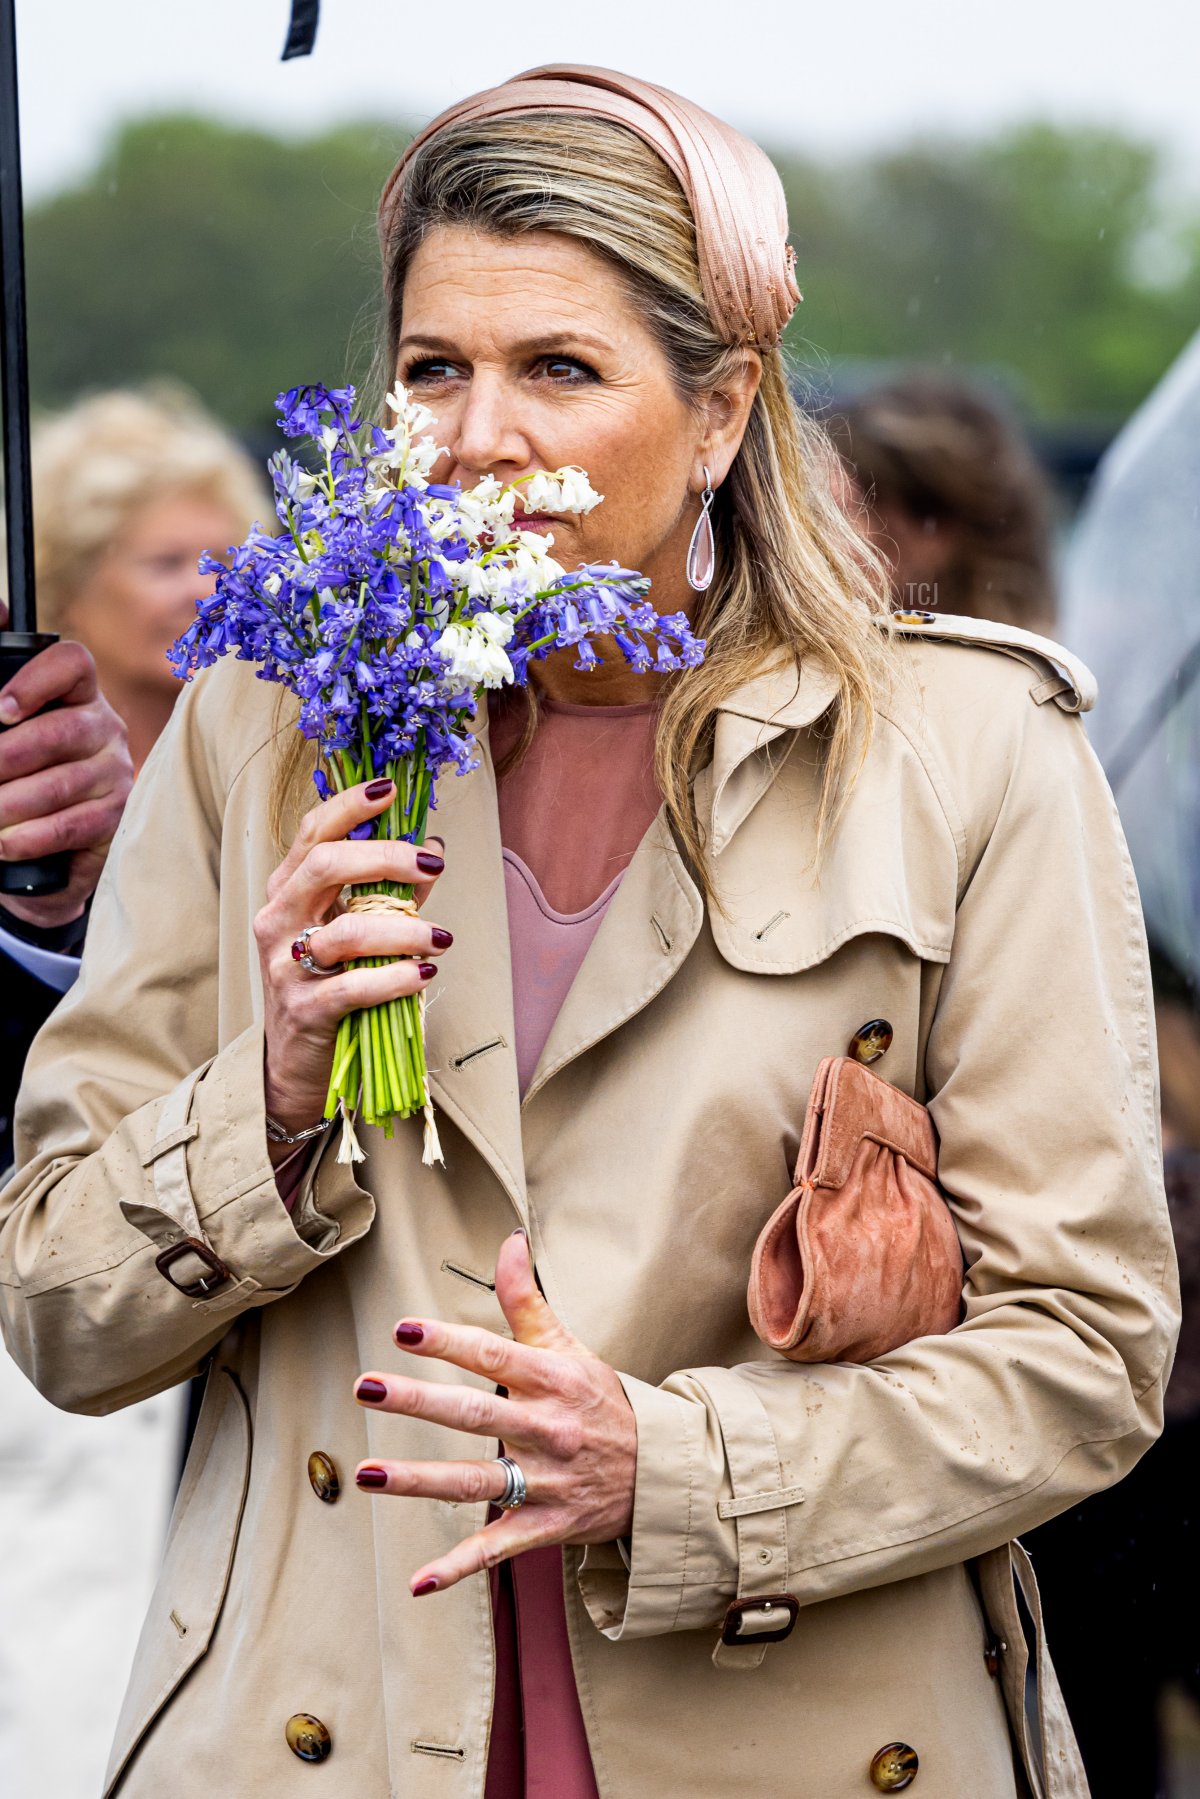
702,551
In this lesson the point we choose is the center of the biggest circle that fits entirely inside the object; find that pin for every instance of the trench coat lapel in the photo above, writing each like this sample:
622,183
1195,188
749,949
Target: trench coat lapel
651,924
657,911
469,1020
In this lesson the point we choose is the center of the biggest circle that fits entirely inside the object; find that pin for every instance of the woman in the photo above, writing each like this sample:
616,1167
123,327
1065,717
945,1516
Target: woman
130,490
583,268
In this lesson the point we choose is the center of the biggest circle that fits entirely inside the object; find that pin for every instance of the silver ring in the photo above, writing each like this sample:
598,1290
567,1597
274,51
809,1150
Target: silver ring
302,953
515,1491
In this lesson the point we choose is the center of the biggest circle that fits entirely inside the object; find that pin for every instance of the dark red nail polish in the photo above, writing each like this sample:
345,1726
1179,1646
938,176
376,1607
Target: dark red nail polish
371,1477
424,1586
428,863
370,1390
441,939
409,1335
427,970
378,790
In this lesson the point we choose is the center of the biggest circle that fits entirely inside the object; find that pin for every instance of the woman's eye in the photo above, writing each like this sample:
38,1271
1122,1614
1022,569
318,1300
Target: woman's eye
428,369
566,370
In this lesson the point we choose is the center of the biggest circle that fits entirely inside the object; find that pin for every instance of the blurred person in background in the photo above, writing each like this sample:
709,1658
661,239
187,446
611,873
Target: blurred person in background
129,489
958,506
72,1506
953,499
1119,1574
65,775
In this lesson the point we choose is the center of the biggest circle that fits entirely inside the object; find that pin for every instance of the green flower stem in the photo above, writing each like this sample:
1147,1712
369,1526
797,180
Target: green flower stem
379,1067
396,1093
368,1064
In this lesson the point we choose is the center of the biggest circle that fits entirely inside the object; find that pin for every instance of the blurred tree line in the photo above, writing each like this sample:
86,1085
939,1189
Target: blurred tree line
241,263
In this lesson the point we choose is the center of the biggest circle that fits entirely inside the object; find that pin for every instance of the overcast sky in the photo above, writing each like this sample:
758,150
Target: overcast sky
828,75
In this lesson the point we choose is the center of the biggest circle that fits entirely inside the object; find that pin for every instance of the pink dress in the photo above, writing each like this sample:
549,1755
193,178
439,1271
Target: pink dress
572,814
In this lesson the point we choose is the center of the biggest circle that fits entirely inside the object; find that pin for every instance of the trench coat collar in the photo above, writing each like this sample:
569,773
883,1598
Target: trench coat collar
780,700
784,695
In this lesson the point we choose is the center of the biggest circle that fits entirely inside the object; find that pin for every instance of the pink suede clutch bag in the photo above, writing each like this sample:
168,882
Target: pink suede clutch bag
862,1255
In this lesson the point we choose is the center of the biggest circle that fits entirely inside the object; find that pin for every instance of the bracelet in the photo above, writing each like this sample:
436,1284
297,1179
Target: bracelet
277,1134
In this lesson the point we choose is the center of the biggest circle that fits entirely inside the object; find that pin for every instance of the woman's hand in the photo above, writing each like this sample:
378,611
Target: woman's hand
565,1421
302,1011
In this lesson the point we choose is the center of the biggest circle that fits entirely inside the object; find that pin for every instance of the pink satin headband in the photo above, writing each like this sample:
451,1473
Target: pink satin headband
747,267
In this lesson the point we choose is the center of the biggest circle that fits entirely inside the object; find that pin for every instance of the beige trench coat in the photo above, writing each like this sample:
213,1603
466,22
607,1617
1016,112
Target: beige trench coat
978,895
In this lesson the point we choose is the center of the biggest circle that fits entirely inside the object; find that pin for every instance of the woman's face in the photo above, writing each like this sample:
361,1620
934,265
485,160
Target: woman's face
530,355
142,591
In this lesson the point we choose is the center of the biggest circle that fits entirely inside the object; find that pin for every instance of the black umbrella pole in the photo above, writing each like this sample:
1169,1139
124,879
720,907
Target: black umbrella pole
18,497
24,641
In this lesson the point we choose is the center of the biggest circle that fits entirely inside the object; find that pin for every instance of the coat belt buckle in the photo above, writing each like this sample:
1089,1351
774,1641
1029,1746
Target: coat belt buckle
766,1604
191,1284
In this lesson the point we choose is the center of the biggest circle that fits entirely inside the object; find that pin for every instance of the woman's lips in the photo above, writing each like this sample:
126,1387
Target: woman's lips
535,521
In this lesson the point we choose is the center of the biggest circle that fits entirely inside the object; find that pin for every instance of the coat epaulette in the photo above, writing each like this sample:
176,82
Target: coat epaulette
1062,677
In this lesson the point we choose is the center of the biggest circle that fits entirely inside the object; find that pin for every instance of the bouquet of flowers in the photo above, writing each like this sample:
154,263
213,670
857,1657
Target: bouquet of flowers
388,604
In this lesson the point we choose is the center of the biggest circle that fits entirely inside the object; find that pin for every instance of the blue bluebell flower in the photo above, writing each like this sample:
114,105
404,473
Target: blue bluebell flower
348,604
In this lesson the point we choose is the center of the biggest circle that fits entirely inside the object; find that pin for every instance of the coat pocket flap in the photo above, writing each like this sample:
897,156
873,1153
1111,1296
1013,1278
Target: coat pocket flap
195,1574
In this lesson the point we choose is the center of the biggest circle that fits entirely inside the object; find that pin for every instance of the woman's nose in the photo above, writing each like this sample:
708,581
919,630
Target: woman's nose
487,437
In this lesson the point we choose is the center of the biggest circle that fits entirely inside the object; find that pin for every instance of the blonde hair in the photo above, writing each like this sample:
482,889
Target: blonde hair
99,462
793,577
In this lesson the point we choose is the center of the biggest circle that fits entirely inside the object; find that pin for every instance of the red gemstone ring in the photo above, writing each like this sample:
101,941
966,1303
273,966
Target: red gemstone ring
303,954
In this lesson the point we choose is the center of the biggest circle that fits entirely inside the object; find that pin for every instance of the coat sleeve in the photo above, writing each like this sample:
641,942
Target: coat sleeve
132,1118
822,1480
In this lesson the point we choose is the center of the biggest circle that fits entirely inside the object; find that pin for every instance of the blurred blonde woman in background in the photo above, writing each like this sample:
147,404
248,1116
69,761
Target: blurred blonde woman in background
129,489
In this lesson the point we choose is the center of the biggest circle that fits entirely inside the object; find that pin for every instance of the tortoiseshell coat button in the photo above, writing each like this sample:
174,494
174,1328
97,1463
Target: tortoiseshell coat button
871,1040
323,1476
308,1738
893,1768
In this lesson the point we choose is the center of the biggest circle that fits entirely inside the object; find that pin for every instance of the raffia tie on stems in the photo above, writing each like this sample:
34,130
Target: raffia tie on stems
350,1149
